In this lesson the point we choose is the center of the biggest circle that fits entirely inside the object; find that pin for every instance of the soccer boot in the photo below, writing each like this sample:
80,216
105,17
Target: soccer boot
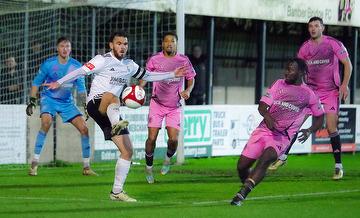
149,175
122,124
87,171
165,168
122,196
33,169
338,174
237,200
277,164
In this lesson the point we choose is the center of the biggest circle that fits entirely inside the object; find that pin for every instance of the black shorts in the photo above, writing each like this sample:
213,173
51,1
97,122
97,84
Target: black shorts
101,120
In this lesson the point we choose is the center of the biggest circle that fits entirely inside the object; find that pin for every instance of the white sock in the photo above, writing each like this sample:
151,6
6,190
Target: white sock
149,167
338,165
283,157
36,158
121,171
86,162
113,113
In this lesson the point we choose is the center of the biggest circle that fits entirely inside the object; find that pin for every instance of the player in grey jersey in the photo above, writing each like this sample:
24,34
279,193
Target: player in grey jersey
112,72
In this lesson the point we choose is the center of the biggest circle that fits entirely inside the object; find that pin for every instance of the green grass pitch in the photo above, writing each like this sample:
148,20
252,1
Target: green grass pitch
199,188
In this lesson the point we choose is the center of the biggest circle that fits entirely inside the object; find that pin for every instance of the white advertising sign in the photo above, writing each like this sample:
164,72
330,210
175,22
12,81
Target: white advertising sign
13,134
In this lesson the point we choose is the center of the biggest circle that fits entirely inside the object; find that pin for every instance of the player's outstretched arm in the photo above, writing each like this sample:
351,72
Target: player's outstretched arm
180,71
67,78
158,76
52,85
317,123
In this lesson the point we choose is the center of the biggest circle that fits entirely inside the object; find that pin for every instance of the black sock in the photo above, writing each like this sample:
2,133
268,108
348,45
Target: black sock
336,146
170,153
291,144
246,188
149,159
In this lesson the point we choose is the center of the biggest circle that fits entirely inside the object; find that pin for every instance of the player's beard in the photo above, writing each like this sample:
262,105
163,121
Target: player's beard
120,55
170,52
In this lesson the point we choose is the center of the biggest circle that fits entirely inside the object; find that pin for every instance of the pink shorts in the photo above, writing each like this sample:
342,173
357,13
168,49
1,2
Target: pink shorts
158,112
330,101
263,138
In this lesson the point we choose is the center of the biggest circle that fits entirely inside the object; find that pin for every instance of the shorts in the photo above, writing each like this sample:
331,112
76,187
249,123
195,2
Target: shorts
330,101
158,112
261,139
101,120
67,110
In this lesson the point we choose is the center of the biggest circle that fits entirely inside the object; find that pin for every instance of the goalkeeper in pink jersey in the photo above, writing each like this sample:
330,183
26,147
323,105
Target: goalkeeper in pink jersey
165,101
285,102
322,55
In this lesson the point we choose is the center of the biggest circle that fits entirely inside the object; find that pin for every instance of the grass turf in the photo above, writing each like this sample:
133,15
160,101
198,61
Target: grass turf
199,188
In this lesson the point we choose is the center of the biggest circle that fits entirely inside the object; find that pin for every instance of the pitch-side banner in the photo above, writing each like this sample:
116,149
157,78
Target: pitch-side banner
231,128
346,128
220,130
13,134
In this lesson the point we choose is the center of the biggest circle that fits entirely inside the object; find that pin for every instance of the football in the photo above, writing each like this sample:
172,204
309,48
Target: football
133,96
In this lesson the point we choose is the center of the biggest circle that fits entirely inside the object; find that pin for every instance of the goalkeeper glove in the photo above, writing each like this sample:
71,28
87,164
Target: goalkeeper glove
31,105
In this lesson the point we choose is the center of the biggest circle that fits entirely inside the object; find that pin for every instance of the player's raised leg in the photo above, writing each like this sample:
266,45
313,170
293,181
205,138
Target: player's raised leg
110,105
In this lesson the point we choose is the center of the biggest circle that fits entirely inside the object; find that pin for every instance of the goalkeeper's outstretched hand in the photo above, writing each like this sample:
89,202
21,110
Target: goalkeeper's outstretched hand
31,105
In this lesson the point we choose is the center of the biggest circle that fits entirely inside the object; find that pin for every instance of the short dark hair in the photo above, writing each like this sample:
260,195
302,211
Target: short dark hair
170,33
301,64
119,33
62,39
315,19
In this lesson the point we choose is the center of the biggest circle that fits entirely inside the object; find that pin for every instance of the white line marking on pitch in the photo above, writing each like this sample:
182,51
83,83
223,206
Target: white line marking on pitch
312,194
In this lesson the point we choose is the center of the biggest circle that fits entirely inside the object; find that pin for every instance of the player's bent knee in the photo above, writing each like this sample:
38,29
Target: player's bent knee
127,155
107,99
45,126
84,130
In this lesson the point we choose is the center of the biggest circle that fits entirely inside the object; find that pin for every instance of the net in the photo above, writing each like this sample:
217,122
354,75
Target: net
29,30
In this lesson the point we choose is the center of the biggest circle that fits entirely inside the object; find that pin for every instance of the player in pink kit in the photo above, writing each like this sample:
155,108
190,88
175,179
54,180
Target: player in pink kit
322,55
285,102
165,101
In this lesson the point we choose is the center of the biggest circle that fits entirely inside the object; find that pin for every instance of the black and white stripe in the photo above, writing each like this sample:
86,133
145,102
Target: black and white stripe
139,73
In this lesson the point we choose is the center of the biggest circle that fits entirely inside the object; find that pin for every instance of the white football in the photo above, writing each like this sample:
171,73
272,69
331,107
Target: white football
133,96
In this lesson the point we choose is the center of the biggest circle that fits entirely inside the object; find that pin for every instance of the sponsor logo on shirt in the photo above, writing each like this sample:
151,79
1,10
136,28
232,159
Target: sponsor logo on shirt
173,80
316,62
112,69
117,81
287,105
89,65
